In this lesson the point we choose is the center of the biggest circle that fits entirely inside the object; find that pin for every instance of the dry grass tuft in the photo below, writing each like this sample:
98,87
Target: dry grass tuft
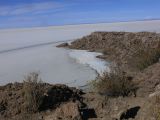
143,57
116,83
33,92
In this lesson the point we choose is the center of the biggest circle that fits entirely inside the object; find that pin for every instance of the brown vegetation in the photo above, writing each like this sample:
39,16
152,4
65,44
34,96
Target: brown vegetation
142,56
115,83
33,92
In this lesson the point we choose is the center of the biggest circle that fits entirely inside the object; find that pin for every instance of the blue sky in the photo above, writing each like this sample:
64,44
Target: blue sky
30,13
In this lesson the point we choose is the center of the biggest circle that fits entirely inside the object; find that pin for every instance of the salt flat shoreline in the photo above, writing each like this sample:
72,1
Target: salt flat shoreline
24,61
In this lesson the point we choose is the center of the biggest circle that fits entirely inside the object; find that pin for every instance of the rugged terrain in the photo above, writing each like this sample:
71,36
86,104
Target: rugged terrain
13,101
138,54
117,46
59,102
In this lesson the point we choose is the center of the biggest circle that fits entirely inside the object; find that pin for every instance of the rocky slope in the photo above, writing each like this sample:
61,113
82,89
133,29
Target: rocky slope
123,49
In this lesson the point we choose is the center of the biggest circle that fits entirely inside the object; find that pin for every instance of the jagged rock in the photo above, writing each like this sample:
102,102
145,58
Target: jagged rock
58,94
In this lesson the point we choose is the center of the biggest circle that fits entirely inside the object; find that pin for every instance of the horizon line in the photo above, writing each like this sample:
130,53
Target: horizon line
87,23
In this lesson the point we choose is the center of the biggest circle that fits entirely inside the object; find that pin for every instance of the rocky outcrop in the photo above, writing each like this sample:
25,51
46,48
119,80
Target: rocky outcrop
12,101
115,40
117,46
63,45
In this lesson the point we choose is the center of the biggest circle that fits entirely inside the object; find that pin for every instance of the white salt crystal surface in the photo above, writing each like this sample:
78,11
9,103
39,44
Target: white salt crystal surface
89,58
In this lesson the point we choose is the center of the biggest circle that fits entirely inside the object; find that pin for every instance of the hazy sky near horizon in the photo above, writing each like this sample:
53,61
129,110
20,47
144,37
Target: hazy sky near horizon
29,13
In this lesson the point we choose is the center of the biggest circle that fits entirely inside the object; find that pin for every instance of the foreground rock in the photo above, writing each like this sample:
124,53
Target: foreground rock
64,103
12,101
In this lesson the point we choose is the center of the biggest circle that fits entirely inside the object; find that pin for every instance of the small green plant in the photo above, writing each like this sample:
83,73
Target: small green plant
33,92
115,83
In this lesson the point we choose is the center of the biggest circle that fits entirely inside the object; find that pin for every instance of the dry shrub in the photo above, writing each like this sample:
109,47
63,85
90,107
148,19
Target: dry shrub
143,57
33,92
116,83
